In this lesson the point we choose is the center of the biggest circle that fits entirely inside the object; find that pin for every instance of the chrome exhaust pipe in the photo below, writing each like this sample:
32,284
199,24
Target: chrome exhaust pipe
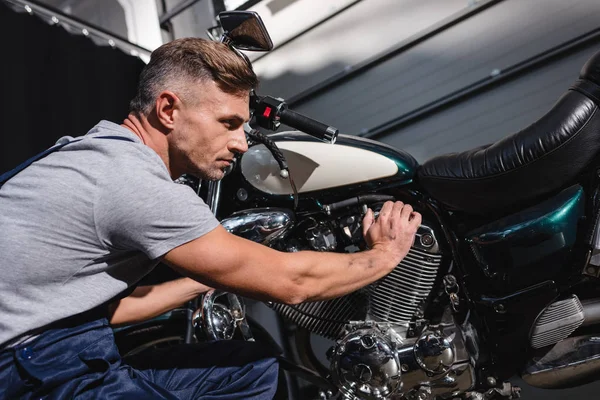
571,362
591,312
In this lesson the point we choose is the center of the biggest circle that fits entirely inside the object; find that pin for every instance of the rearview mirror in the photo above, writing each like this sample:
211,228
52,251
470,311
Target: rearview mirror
244,30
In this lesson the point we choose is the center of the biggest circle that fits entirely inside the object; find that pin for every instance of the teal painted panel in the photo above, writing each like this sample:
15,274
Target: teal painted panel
531,245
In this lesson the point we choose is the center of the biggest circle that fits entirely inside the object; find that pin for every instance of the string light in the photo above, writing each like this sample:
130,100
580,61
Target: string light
65,20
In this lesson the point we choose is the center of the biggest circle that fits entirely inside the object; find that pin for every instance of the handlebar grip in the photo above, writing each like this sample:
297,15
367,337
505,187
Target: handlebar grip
308,125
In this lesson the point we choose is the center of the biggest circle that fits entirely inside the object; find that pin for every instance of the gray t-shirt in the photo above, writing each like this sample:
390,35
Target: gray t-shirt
83,224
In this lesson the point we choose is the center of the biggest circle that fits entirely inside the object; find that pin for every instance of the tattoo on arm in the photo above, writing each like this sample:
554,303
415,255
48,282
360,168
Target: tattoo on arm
369,263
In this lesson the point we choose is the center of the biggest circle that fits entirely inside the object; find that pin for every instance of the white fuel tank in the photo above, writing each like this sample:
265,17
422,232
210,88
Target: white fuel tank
317,166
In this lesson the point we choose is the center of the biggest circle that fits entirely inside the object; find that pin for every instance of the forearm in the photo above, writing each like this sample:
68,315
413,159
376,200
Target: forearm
150,301
321,276
256,271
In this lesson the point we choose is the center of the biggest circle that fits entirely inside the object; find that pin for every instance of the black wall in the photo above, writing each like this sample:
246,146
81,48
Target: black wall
53,83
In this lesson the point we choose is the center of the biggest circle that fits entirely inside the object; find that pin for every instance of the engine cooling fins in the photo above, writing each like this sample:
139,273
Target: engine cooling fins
395,298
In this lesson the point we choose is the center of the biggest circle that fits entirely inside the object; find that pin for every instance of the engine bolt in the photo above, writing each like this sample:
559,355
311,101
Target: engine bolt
404,367
423,395
499,308
491,381
242,194
427,240
591,270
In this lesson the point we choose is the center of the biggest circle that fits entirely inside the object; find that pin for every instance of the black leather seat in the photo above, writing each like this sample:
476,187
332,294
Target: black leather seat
527,165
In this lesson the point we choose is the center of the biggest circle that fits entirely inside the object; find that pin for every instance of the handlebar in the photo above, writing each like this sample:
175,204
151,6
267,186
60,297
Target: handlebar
308,125
270,112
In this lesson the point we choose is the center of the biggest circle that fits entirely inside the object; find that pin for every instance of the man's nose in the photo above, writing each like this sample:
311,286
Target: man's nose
238,144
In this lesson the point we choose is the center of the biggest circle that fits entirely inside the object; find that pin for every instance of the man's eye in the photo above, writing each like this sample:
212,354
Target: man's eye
231,124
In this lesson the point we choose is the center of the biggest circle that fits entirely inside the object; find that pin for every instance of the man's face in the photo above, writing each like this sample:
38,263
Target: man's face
208,132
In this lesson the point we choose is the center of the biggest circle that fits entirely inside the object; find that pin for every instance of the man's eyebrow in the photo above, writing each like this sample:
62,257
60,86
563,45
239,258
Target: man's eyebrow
237,117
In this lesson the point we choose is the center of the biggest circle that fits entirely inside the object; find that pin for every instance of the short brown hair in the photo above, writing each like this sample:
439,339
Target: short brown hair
177,64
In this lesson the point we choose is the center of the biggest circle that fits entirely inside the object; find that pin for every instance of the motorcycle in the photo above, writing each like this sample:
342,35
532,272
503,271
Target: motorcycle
502,278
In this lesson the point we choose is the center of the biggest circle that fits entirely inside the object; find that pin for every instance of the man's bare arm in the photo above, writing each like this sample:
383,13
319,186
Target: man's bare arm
225,261
150,301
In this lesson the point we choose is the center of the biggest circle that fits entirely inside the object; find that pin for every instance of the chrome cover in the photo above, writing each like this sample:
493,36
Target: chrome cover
375,361
444,344
364,364
434,353
261,225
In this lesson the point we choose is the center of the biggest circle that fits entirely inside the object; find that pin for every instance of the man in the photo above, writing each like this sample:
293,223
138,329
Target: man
83,224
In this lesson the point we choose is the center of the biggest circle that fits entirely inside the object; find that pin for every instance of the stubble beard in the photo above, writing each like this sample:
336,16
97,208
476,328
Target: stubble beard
212,174
215,175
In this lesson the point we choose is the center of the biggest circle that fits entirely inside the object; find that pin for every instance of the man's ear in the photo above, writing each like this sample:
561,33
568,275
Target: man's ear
166,103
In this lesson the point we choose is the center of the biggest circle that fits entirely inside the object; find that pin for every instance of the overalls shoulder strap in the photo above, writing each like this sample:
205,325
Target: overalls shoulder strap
8,175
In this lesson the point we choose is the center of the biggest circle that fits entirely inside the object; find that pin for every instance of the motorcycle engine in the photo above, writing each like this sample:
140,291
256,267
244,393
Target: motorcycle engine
384,347
374,357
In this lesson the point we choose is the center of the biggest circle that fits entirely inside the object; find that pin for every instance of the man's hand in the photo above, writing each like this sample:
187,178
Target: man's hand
394,229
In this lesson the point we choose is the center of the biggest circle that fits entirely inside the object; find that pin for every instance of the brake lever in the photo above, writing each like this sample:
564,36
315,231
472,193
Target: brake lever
284,171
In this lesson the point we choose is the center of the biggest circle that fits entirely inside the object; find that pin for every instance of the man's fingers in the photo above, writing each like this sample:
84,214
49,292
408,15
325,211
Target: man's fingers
398,206
392,216
406,211
385,211
415,218
367,221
